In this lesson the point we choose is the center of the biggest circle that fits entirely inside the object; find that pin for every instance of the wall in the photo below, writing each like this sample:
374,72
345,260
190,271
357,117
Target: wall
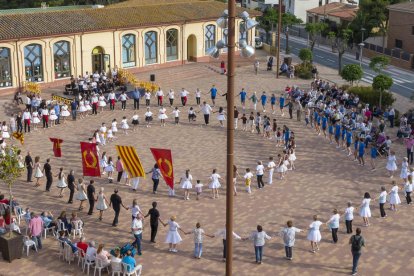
400,27
397,62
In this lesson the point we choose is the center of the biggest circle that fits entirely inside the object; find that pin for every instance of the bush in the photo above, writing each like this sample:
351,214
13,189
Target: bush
305,55
352,72
304,71
368,95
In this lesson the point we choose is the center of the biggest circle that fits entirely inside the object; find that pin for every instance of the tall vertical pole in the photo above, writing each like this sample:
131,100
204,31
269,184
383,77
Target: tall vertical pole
230,135
279,30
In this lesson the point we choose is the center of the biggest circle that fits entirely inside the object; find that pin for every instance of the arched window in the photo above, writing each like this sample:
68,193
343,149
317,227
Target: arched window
61,55
151,47
243,32
209,37
33,62
172,44
128,50
5,67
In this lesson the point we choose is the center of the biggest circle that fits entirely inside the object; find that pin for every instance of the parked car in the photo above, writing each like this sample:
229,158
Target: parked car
258,43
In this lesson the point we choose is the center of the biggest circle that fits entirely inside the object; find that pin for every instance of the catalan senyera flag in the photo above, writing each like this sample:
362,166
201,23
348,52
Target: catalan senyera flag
163,157
57,144
19,136
130,160
90,159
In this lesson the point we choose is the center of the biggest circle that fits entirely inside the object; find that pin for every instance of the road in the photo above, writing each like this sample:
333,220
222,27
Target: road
403,80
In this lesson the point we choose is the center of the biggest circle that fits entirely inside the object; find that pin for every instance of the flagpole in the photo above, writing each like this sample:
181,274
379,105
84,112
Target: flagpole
230,135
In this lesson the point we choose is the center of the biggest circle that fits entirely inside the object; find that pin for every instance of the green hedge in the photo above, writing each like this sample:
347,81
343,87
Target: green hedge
304,71
368,95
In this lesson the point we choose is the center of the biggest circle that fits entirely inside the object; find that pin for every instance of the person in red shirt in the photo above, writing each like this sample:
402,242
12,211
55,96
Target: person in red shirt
4,200
82,245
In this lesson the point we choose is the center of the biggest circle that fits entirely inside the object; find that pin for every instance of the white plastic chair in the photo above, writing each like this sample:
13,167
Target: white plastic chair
116,267
99,266
136,271
27,243
47,229
20,214
61,226
60,249
88,263
67,251
77,228
81,257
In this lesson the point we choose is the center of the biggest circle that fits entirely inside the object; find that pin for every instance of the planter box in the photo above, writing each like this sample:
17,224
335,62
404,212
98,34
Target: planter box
11,246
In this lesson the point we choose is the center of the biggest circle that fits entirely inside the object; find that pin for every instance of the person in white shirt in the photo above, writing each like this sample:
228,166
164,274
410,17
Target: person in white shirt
45,118
248,180
259,174
222,233
206,110
28,102
176,114
198,239
171,97
136,228
96,76
198,96
111,100
258,237
102,132
271,168
382,199
91,252
160,95
147,97
123,98
408,189
288,234
333,224
183,94
27,117
349,217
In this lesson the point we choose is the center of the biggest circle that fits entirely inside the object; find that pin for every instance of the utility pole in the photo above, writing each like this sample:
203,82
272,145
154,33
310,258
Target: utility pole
279,30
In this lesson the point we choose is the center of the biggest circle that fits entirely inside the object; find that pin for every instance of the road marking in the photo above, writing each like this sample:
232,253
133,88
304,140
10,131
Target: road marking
330,60
319,56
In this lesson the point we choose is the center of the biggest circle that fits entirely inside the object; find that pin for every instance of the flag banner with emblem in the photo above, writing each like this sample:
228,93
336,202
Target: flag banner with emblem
90,159
57,143
130,160
19,136
163,157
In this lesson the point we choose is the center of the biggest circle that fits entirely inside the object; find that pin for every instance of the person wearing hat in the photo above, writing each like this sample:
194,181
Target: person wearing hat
116,203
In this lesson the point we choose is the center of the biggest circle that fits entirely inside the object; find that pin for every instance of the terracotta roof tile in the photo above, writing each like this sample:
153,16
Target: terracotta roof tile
336,9
17,26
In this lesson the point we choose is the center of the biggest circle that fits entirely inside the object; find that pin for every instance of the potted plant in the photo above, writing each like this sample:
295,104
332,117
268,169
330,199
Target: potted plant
11,243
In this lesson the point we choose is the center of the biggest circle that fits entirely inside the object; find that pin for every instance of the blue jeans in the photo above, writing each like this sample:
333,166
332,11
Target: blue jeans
258,250
355,259
38,241
137,243
198,249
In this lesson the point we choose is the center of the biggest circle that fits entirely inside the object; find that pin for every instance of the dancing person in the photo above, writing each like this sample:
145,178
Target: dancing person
288,234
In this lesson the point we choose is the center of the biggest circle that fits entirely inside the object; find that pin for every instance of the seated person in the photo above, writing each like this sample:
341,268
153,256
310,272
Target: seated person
91,251
10,221
65,221
284,68
4,200
102,255
63,238
74,219
47,218
82,245
131,263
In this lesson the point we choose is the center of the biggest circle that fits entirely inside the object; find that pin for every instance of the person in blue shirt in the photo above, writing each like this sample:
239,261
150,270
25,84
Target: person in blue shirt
356,140
361,152
337,134
243,95
317,120
57,112
273,103
74,107
286,135
282,104
343,136
131,263
263,99
324,124
348,140
374,154
213,92
331,132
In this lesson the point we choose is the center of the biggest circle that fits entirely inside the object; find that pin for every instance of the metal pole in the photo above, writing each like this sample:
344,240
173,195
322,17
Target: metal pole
230,135
362,47
279,30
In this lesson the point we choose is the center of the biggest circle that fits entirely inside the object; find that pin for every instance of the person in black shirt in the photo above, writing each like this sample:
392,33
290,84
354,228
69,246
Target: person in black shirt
116,203
28,161
19,122
154,218
90,192
47,170
71,186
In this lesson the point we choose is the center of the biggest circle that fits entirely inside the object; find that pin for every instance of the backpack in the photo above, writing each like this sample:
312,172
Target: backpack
356,243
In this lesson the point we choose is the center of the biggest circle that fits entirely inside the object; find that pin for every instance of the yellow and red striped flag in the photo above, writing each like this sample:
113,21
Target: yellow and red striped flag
130,160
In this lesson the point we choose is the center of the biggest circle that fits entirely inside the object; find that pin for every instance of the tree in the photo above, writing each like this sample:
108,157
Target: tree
268,20
288,20
341,41
381,83
305,55
314,31
10,169
352,72
379,63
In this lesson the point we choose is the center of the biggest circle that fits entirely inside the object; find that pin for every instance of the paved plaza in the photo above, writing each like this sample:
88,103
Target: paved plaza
325,179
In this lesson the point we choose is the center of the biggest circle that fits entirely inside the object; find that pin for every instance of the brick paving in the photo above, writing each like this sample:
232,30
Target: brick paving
325,179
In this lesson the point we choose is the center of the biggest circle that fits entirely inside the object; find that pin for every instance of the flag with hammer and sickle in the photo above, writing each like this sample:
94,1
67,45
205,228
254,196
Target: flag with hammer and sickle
57,146
163,157
90,159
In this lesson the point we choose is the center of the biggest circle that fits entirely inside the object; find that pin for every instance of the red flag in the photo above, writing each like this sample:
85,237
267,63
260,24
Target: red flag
90,159
57,143
163,158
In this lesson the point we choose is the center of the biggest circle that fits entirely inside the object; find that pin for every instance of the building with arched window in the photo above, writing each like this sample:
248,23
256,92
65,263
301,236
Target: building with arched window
49,45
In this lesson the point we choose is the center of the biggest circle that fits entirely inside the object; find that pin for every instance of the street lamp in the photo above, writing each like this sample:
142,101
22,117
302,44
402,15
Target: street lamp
227,22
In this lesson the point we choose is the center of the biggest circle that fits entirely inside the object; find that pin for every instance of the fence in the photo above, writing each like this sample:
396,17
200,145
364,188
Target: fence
398,57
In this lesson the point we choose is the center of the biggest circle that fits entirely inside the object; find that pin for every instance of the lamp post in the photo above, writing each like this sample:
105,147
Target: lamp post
279,30
361,45
228,21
